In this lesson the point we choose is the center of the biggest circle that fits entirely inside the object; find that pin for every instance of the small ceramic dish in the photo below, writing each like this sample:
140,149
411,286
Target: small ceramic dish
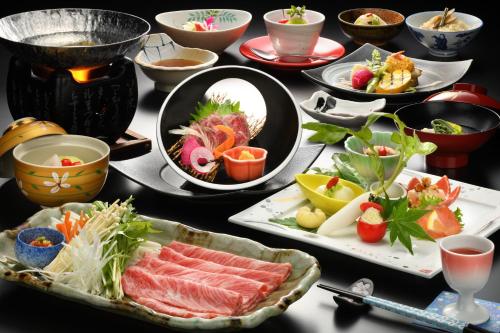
244,170
294,39
324,48
395,191
361,161
19,131
374,34
160,47
310,182
231,25
36,256
479,125
55,185
331,110
443,43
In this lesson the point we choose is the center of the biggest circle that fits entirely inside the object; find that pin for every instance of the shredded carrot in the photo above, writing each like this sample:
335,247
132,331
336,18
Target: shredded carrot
62,228
227,144
69,229
74,229
82,220
67,224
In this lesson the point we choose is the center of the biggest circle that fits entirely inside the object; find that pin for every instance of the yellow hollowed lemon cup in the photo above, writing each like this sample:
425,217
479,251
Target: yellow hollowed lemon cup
309,184
51,186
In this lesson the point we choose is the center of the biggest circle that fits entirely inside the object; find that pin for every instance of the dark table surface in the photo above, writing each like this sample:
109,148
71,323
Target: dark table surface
24,310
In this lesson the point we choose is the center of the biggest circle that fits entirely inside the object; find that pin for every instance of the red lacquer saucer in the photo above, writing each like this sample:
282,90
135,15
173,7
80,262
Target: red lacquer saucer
325,47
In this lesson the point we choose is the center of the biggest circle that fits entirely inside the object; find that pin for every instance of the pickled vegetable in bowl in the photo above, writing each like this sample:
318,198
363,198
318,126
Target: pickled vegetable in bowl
332,202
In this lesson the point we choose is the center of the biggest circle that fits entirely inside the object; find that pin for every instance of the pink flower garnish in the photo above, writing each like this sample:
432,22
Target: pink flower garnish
209,20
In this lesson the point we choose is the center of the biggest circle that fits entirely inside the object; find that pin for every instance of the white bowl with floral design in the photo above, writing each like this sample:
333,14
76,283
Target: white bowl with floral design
49,185
230,25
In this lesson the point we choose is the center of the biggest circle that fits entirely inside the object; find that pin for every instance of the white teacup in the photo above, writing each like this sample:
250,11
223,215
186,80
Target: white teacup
467,261
294,39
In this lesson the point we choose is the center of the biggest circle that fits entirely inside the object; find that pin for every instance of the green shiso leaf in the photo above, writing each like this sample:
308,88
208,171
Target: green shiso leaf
221,108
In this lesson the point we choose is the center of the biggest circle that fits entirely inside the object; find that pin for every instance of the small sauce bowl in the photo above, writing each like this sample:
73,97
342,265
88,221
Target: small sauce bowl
244,170
36,256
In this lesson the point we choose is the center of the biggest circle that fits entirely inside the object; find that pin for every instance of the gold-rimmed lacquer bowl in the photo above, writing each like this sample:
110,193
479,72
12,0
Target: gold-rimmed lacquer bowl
55,185
19,131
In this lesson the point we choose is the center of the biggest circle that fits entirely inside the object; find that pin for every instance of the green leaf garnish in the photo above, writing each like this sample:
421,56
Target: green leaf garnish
291,222
429,201
408,145
296,11
402,221
212,106
458,215
326,133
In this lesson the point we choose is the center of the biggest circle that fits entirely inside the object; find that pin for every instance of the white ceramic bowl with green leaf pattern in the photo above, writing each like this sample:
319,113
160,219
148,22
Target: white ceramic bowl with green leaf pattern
231,25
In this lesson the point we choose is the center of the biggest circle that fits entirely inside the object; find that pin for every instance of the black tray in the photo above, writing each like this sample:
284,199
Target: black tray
152,171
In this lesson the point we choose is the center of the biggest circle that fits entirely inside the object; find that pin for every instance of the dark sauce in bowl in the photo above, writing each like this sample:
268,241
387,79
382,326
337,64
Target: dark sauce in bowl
177,63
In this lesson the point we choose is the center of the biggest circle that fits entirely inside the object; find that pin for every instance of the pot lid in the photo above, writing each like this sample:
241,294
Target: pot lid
25,129
466,93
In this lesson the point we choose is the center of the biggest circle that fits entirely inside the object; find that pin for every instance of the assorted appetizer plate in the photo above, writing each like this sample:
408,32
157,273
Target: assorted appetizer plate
435,75
324,48
305,271
478,205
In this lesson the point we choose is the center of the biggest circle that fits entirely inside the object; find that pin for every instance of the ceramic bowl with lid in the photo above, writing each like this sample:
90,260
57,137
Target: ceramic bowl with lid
19,131
479,124
466,93
55,185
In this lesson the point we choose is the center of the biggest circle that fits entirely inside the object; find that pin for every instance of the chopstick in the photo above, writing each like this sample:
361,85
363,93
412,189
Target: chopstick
342,292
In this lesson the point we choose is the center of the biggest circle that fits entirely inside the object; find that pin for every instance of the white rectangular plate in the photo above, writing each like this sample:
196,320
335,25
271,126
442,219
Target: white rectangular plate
477,204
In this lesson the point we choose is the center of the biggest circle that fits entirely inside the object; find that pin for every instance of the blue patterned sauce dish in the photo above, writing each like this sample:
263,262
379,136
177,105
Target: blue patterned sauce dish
38,256
443,43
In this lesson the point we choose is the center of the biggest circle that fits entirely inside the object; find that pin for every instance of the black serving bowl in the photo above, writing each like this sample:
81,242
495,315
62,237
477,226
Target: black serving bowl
479,124
280,135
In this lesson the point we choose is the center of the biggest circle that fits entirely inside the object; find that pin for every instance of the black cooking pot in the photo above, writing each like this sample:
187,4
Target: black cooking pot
71,37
